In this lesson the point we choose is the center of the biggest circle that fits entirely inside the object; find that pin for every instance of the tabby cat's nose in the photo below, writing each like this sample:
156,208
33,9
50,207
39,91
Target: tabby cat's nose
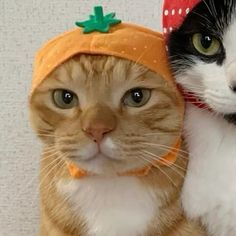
97,131
97,121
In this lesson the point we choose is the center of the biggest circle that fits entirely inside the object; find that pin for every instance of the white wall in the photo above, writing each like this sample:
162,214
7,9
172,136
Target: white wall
24,26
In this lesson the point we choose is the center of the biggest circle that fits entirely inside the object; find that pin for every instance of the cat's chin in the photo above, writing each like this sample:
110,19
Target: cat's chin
101,164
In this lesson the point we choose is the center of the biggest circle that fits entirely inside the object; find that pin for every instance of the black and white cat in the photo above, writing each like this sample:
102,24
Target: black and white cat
203,57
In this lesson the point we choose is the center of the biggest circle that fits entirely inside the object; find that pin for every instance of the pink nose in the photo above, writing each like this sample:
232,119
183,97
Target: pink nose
97,131
97,121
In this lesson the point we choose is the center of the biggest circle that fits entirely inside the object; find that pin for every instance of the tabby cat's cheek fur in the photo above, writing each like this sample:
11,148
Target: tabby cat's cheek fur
209,191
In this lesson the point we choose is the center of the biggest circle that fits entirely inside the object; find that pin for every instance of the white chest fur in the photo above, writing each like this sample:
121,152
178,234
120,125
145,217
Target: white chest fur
209,190
111,207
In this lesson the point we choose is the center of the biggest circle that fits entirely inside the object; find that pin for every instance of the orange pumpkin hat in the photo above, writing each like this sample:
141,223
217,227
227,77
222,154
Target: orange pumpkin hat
106,35
127,41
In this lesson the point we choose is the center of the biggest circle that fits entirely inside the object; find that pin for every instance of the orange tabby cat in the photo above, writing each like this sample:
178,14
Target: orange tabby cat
109,116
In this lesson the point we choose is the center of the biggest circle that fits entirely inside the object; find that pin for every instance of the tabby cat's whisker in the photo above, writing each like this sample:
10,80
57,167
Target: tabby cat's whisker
51,167
45,130
162,133
29,183
181,153
158,158
51,164
170,166
48,135
168,148
203,17
59,206
50,155
49,150
162,171
48,166
49,185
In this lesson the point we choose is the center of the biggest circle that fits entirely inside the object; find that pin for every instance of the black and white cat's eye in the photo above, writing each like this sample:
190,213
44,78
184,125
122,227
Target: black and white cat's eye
137,97
64,99
206,45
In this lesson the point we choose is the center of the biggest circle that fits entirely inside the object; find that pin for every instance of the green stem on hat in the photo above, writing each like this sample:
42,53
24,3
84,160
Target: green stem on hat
98,22
98,12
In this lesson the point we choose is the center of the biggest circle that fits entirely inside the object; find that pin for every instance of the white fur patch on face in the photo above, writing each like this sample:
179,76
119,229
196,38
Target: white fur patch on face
230,48
111,206
88,152
210,82
217,92
108,148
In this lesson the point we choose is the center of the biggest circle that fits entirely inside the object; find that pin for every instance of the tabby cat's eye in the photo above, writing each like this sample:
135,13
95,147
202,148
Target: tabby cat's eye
206,44
64,99
137,97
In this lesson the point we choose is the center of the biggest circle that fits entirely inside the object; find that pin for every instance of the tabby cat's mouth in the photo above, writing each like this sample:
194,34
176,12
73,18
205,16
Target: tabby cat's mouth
231,118
101,155
98,156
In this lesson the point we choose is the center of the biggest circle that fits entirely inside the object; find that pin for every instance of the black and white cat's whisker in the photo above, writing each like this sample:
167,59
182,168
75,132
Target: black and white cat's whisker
202,16
198,87
199,97
222,103
195,86
195,90
218,94
209,9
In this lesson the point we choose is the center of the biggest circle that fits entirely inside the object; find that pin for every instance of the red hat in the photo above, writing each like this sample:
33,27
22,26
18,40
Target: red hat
174,12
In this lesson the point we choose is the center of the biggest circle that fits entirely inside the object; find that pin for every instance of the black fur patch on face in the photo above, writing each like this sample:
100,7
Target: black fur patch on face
209,17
